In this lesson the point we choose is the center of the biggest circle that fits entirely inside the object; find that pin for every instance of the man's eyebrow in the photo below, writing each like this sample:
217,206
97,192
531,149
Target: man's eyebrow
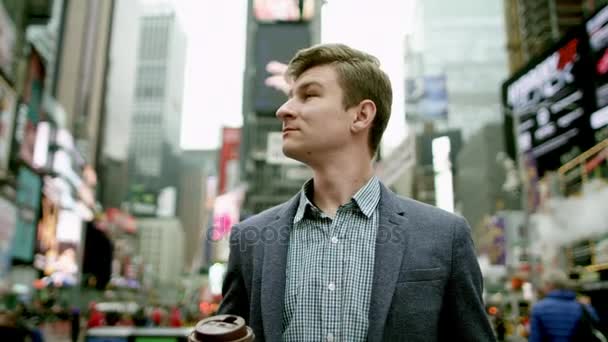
304,86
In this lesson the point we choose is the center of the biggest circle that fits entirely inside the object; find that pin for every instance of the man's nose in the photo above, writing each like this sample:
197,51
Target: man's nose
285,111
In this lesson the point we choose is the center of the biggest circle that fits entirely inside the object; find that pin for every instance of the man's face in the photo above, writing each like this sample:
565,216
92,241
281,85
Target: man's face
315,122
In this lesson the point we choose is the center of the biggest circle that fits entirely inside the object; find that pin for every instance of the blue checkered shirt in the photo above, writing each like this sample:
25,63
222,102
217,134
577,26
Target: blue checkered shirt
330,266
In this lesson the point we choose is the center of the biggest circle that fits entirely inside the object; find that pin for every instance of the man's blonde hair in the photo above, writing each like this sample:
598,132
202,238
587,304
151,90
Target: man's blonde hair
359,75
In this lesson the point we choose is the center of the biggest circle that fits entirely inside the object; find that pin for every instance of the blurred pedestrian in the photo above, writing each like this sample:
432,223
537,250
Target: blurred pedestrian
96,317
140,319
346,258
499,326
157,316
557,316
75,320
175,318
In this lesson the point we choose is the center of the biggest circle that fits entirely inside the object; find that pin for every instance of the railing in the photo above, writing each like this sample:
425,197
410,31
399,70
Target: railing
592,163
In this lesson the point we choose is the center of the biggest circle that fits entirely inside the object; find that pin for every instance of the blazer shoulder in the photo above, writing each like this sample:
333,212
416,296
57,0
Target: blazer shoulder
262,219
429,215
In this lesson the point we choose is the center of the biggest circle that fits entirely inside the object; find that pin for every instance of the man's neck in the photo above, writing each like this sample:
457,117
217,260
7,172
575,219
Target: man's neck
336,183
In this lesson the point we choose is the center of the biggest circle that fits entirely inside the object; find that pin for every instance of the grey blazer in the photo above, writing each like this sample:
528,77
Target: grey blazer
427,284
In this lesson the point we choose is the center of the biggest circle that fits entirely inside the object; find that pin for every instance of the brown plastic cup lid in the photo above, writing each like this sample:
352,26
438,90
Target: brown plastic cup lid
222,328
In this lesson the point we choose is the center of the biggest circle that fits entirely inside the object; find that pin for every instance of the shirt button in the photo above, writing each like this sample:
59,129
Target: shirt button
334,240
331,286
330,337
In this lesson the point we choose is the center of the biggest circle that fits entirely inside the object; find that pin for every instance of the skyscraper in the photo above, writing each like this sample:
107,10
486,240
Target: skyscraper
195,169
534,25
456,58
161,246
455,61
157,102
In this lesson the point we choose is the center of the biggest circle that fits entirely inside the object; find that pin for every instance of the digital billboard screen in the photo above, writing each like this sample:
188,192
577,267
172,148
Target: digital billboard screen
283,10
596,28
552,101
275,42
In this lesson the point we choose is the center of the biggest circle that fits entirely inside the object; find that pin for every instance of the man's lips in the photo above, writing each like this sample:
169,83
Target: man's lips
289,129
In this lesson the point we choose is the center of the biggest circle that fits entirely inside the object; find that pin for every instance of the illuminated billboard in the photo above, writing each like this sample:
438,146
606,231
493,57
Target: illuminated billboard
283,10
550,101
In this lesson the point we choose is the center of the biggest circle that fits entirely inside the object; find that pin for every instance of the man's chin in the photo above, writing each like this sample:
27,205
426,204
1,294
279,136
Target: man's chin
292,153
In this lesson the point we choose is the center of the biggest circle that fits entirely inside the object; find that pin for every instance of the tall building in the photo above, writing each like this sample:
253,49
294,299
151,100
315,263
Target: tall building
444,65
481,177
274,33
195,169
119,101
121,78
161,246
452,92
534,25
80,78
157,105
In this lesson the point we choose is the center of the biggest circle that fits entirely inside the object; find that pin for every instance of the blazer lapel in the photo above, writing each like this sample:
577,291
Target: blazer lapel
274,268
391,243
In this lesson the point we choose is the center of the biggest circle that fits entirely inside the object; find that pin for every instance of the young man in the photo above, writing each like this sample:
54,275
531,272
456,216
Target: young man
346,259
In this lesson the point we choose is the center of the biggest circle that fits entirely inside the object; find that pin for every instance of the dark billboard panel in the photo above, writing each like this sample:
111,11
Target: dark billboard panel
597,30
275,42
552,100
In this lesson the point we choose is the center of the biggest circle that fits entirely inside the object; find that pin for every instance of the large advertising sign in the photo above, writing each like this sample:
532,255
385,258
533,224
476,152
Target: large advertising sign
279,43
552,100
428,97
29,111
229,158
7,43
8,101
597,31
58,243
283,10
8,216
28,202
493,243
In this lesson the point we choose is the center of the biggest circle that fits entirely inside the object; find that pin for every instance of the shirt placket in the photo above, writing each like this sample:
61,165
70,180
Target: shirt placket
333,279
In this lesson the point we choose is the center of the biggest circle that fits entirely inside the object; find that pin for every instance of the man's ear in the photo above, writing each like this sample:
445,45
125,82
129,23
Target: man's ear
366,112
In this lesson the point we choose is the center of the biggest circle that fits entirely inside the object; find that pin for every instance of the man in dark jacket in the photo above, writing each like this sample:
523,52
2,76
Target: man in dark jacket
557,316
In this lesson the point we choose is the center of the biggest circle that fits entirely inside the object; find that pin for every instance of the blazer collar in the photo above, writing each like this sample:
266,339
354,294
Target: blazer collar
274,269
391,243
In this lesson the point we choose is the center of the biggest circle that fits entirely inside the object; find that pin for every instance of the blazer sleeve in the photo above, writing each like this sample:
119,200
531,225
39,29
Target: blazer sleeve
464,309
235,300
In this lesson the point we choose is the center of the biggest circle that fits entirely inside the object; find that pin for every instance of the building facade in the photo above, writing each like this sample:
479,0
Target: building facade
81,77
157,103
195,169
455,62
534,25
161,246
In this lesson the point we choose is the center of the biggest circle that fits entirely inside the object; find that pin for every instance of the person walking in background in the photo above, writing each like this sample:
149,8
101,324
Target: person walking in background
558,316
96,317
75,320
175,318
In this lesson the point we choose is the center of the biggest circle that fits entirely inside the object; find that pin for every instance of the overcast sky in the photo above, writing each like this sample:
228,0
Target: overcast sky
216,58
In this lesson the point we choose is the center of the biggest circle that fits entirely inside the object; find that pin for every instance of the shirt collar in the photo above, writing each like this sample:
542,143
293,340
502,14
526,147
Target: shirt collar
304,201
366,198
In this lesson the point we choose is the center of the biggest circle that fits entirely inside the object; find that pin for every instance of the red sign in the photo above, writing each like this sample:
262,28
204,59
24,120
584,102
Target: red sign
229,157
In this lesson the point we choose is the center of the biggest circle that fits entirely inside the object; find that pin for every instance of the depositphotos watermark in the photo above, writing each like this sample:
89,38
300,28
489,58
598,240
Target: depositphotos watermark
243,237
